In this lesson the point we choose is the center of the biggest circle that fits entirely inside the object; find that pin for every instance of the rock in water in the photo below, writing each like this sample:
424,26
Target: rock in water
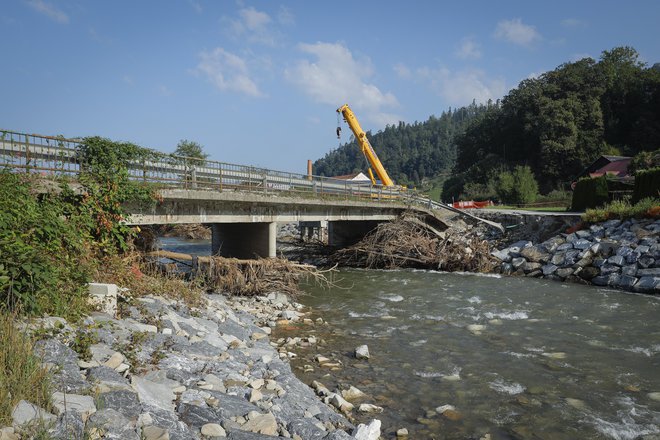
369,408
362,352
352,393
368,432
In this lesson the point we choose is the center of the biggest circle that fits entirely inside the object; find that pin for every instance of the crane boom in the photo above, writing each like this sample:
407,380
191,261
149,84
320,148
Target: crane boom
365,146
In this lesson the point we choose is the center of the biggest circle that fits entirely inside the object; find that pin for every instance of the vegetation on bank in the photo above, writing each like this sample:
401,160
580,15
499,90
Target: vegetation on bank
51,241
21,374
55,237
623,209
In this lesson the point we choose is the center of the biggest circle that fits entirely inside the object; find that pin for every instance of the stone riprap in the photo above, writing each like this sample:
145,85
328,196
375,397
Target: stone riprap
166,371
620,254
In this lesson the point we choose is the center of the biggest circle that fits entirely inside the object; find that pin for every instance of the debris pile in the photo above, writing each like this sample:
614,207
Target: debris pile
408,242
255,277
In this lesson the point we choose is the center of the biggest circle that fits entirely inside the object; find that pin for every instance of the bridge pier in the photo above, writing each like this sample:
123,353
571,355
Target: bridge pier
244,240
346,232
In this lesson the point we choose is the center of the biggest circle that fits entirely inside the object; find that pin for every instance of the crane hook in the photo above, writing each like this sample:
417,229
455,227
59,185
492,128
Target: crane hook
338,132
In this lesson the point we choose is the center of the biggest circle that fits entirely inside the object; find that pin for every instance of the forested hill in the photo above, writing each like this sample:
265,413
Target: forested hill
560,122
409,152
556,124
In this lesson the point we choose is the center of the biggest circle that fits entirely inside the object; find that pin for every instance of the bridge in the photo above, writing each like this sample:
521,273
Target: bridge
243,204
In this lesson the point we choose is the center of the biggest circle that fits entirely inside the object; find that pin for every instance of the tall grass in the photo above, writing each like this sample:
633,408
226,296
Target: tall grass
22,376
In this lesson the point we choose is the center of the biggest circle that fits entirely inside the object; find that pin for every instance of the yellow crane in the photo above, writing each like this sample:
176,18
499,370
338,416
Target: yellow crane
365,146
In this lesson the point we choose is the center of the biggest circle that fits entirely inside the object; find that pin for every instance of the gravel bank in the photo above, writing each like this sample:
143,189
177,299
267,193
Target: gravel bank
165,371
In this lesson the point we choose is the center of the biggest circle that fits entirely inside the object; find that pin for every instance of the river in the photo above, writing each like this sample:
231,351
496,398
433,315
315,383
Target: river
514,358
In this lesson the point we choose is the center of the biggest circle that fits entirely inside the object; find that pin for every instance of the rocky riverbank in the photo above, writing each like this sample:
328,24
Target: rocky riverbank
621,254
166,371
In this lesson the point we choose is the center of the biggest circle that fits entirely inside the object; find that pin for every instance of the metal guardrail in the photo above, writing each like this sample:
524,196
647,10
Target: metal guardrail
57,156
49,155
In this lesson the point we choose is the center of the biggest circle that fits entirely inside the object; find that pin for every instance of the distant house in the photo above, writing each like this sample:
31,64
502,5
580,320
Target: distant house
356,177
614,166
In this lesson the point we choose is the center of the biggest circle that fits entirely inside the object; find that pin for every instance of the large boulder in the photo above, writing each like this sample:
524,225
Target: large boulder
535,254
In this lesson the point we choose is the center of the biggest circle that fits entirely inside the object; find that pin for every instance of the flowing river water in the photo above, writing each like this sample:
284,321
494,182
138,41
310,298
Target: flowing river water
515,358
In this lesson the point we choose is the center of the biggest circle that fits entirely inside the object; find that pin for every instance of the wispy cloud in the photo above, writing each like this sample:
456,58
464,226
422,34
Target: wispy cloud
402,71
227,72
99,38
165,91
335,77
517,32
285,16
469,49
460,88
254,26
49,11
196,6
573,22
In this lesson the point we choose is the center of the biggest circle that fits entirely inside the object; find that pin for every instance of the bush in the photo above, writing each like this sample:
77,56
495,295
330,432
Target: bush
50,241
621,209
44,258
644,160
478,191
647,184
517,187
590,193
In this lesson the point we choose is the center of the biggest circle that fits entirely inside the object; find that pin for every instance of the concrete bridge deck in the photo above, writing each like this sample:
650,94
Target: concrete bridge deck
244,224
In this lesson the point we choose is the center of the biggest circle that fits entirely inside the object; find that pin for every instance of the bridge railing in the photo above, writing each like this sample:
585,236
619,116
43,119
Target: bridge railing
48,155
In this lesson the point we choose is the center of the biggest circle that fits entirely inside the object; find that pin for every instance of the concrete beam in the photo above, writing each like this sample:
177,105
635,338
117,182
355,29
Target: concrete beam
188,206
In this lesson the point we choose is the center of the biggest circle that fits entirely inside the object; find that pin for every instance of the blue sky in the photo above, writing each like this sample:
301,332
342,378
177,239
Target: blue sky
258,82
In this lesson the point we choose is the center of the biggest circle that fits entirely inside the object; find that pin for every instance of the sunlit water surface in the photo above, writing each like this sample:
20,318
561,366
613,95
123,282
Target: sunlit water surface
516,358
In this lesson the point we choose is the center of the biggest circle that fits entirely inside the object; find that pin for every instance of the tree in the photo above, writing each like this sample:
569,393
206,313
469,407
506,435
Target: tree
192,149
644,160
518,187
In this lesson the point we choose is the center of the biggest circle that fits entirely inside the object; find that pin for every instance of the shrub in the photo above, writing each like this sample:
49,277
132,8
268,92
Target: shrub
590,193
44,258
644,160
621,209
478,191
50,241
647,184
105,179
